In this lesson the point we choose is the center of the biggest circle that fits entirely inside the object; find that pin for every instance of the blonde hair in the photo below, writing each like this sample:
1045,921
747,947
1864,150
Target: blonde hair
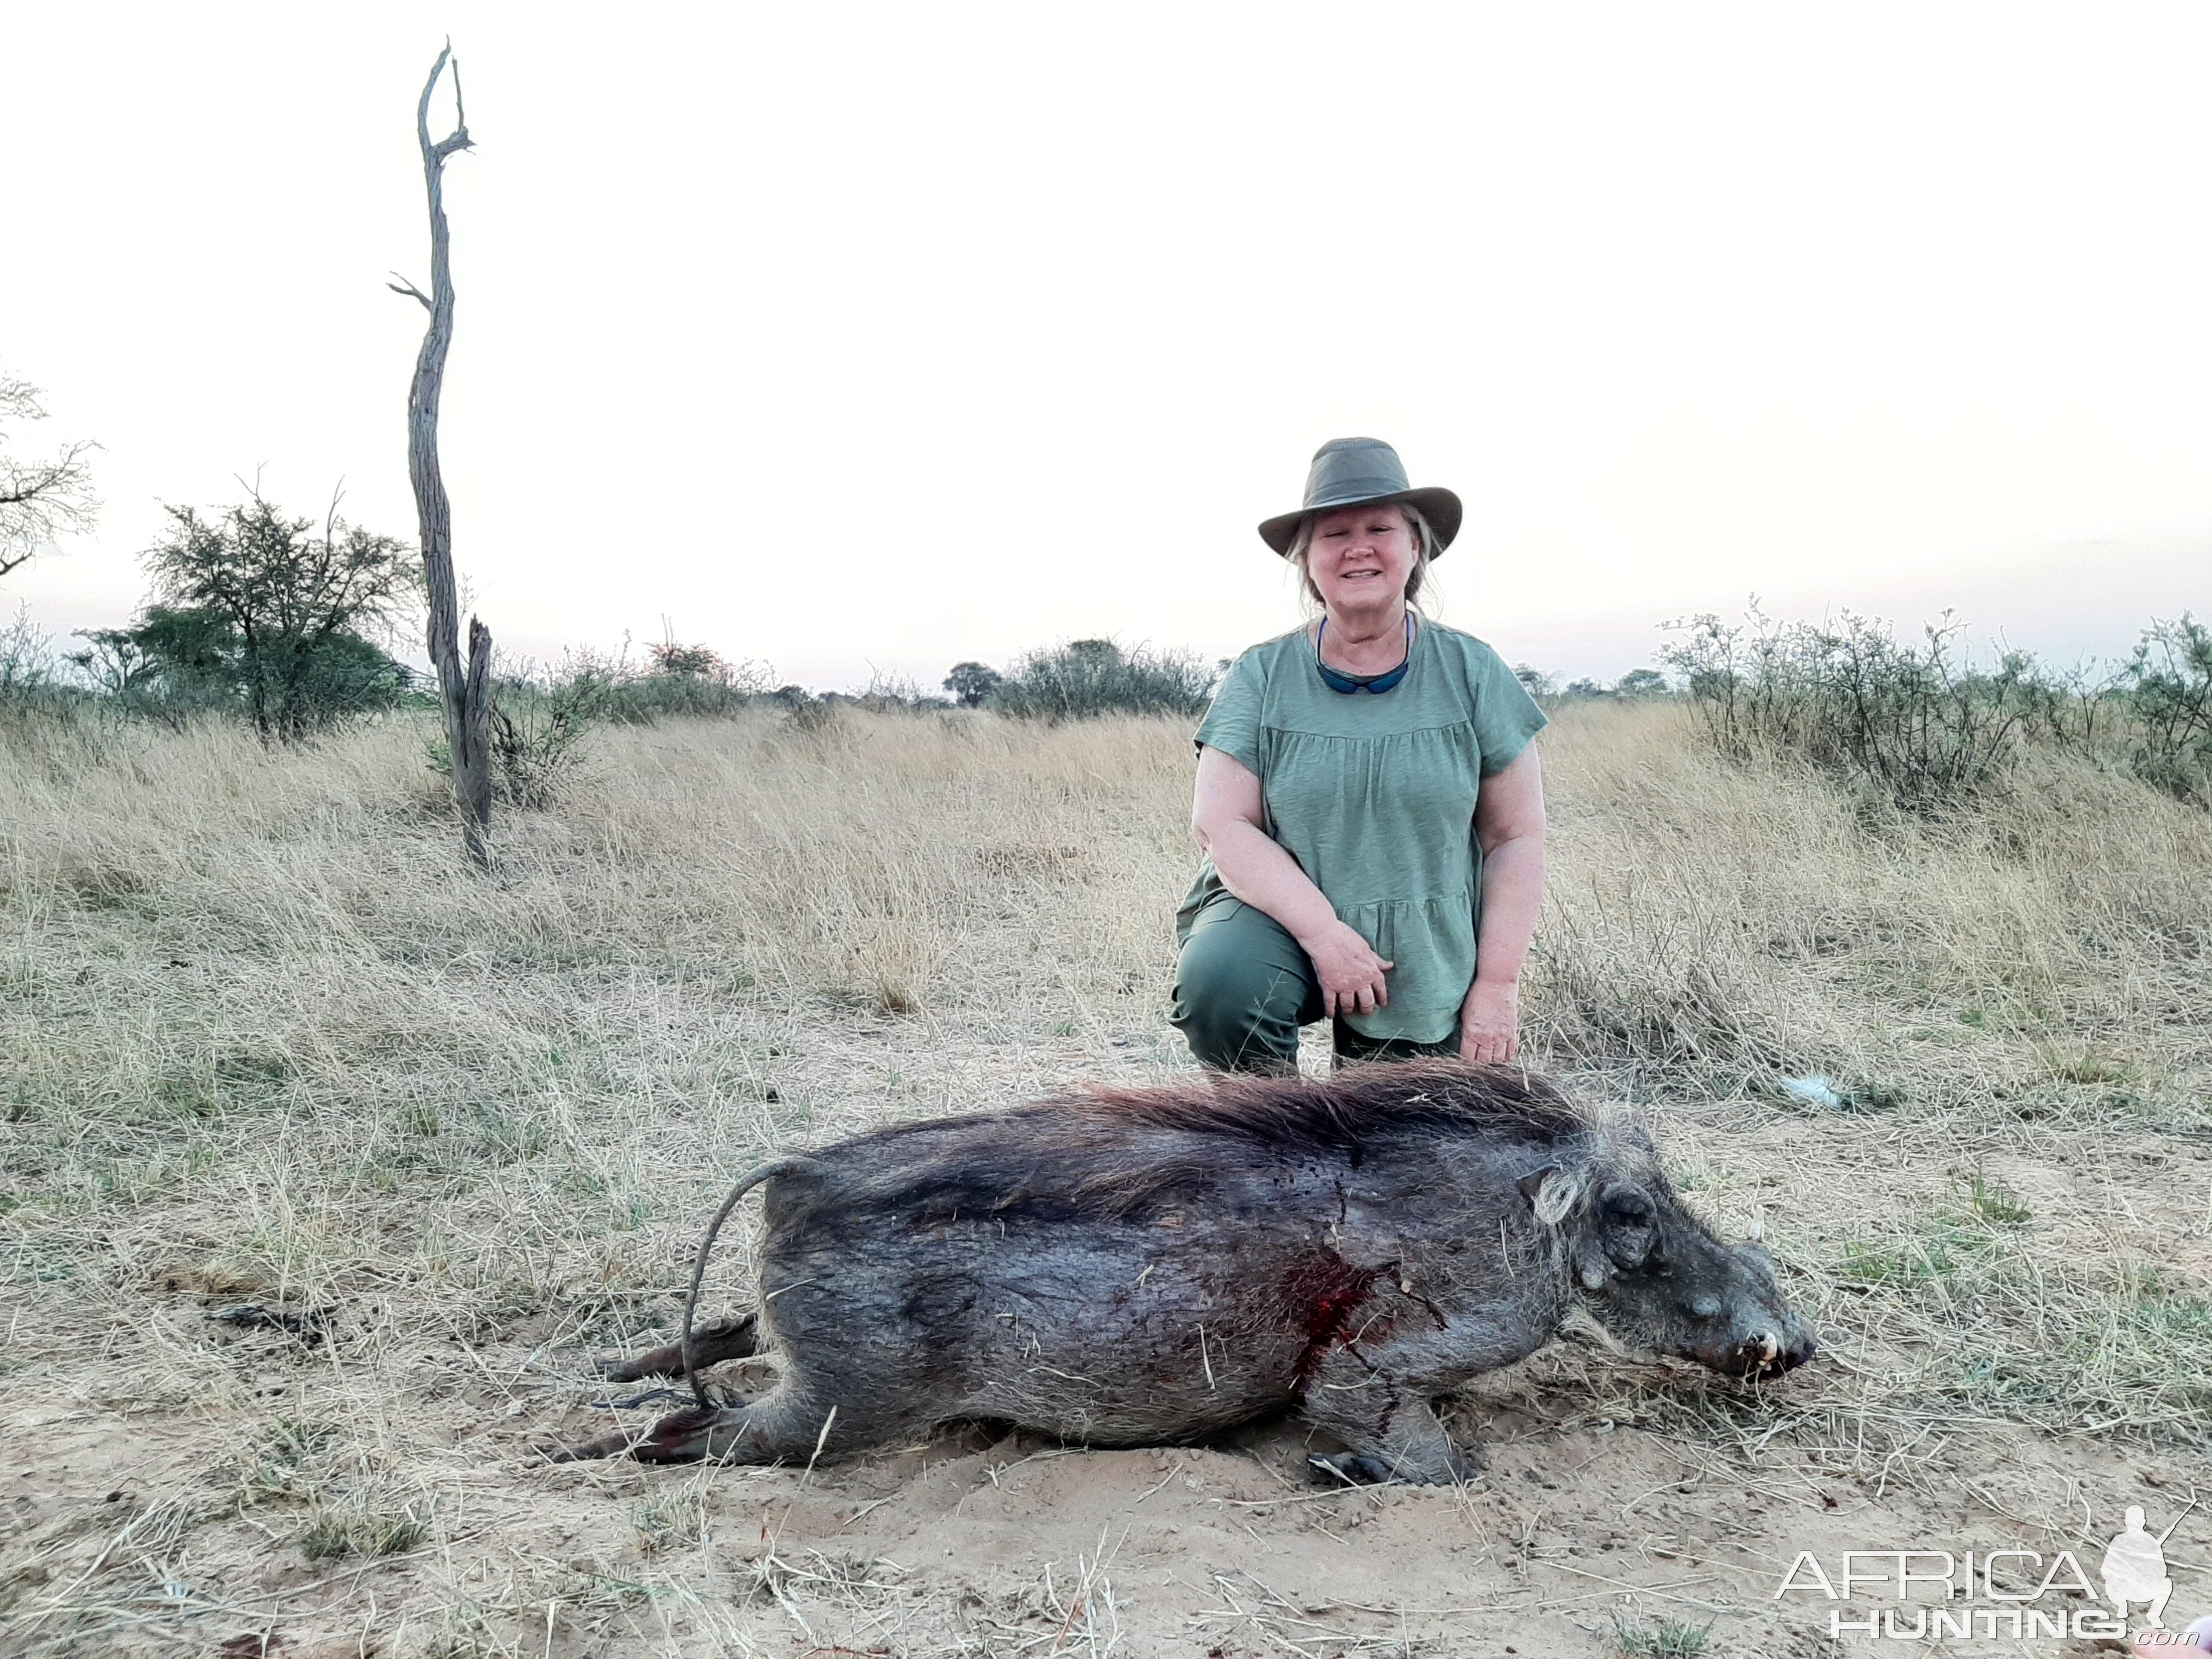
1425,549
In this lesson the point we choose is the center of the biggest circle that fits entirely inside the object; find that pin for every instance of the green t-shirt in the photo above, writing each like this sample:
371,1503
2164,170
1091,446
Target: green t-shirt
1374,796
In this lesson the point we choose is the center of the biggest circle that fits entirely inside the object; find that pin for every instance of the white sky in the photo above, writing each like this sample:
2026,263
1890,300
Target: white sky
848,335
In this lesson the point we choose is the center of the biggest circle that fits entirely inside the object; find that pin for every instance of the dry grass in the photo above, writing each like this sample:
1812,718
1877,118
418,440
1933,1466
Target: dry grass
264,1041
1721,924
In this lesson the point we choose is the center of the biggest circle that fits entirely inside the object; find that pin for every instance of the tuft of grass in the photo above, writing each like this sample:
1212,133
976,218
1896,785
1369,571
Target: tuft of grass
2125,1356
1920,1259
286,1461
362,1527
1663,1639
2081,1064
1938,1245
2144,1347
670,1519
1993,1201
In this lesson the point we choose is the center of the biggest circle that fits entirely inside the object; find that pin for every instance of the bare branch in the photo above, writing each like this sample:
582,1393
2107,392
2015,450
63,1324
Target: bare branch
43,500
423,109
459,138
403,286
26,483
462,687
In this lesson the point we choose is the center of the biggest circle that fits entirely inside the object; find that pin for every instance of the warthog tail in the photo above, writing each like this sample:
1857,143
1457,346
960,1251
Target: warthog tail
746,1182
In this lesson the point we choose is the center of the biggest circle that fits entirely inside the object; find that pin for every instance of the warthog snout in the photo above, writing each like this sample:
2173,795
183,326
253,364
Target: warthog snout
1657,1278
1770,1352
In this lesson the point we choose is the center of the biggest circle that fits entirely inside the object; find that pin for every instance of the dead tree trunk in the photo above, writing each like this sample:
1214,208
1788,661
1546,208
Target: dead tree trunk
463,690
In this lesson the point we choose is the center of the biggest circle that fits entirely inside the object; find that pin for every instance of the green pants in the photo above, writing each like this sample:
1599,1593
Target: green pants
1243,989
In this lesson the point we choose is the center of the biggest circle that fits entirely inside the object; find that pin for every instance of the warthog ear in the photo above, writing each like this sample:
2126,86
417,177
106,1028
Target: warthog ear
1551,1192
1631,1226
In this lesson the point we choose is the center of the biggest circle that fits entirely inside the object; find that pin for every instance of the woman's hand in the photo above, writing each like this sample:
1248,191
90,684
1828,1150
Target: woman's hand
1490,1023
1229,818
1350,972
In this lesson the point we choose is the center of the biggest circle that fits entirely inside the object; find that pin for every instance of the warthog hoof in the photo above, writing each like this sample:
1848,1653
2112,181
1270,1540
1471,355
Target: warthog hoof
585,1452
1359,1469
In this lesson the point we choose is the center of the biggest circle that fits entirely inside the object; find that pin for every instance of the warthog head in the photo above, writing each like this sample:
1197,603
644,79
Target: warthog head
1656,1278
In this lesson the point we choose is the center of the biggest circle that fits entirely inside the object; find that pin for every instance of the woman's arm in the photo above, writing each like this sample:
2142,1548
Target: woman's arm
1509,824
1226,816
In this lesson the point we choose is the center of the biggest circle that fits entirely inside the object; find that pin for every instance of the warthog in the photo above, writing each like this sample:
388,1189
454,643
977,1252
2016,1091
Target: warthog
1147,1266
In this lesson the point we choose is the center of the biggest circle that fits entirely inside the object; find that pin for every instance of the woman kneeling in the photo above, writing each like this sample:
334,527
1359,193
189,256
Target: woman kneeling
1369,803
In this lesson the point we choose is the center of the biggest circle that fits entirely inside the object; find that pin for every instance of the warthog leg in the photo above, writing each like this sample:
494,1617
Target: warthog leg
781,1429
1393,1431
733,1338
611,1444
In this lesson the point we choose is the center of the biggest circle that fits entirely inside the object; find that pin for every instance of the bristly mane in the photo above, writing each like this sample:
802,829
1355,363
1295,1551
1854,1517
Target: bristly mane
1336,1113
1073,1154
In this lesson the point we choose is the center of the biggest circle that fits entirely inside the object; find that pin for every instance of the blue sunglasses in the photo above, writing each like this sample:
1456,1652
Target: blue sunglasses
1337,680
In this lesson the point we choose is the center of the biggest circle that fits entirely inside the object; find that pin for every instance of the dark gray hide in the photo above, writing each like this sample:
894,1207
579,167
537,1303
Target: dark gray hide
1155,1267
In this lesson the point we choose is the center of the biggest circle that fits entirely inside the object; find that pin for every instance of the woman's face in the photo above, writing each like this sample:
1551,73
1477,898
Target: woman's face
1360,557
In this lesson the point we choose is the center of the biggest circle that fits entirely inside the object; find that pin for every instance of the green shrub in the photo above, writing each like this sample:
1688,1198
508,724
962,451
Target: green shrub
538,732
684,679
539,718
1084,678
1540,685
267,614
30,677
1914,723
38,702
172,665
177,663
2169,688
890,693
1637,684
972,682
1923,727
548,711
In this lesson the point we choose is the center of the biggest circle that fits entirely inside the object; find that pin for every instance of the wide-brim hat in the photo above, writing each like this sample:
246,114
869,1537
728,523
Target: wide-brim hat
1351,471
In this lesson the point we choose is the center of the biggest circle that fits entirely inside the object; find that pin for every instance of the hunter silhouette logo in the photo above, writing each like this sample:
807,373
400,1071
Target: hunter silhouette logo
2135,1568
2004,1593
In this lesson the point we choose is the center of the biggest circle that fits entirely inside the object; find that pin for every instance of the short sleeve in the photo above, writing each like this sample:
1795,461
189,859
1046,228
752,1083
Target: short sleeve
1505,715
1232,724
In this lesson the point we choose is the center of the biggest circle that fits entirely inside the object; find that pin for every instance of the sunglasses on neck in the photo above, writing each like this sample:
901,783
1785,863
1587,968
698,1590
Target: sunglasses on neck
1337,680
